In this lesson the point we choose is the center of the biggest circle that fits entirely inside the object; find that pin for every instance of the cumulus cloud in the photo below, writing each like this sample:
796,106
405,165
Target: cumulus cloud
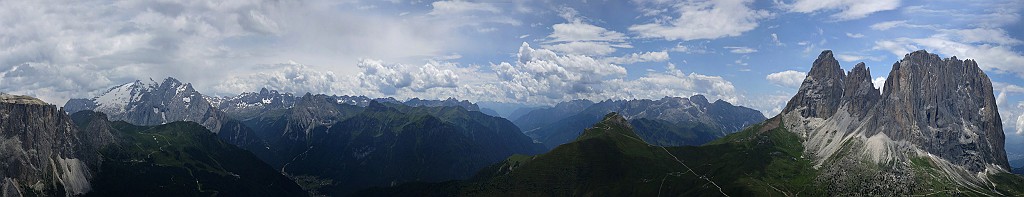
543,72
55,83
205,42
789,78
388,78
633,58
1020,124
701,20
544,76
287,77
846,9
879,82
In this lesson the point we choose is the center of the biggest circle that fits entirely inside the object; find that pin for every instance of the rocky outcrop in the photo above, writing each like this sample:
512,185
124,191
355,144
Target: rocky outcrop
941,112
822,89
859,93
944,106
41,151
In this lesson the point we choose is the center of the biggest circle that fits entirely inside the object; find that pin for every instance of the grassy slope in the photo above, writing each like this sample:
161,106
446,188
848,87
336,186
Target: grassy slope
761,160
609,159
183,159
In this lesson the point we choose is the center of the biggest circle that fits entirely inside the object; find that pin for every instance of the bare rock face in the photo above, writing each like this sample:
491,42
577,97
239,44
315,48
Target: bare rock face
859,94
946,107
821,91
939,110
40,150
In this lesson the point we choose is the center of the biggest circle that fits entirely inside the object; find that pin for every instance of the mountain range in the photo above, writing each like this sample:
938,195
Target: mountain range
47,152
934,129
670,121
330,144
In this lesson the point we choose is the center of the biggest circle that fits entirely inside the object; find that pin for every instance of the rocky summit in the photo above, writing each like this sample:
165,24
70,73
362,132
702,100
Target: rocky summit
934,113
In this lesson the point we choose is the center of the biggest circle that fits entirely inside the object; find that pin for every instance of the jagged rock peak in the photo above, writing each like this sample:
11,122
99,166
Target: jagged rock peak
820,93
859,93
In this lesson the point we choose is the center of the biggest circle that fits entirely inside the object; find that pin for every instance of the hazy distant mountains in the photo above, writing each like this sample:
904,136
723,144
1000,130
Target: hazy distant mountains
670,121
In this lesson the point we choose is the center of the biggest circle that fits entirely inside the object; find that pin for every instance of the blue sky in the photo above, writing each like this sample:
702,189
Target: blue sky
751,53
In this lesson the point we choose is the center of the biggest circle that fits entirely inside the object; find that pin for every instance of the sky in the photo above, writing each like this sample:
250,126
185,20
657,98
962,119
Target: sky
750,53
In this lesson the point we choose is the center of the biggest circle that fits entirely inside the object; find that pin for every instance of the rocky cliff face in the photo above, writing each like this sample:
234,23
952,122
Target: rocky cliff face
41,151
941,111
946,107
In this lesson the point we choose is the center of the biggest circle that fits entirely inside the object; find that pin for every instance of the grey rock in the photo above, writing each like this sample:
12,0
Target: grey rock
946,107
41,150
859,93
821,91
943,107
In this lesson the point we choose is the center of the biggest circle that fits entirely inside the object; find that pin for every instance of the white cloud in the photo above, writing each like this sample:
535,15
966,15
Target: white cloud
702,20
854,58
879,83
776,41
288,77
578,37
541,74
990,57
582,48
740,50
204,42
847,9
699,49
1020,124
672,82
388,78
789,78
852,35
459,7
56,83
981,35
888,25
882,26
633,58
